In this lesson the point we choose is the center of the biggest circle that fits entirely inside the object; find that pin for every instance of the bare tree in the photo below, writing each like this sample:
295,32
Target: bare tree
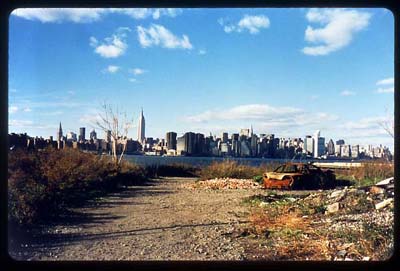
111,119
388,124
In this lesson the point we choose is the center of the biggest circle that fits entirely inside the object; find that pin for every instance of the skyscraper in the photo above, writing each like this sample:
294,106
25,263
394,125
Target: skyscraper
82,134
60,133
171,140
93,135
141,128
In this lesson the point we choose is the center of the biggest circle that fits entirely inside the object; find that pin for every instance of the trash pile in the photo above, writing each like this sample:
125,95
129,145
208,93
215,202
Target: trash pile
224,183
350,223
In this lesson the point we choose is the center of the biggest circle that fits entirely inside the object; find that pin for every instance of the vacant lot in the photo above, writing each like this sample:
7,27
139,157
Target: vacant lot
181,219
160,220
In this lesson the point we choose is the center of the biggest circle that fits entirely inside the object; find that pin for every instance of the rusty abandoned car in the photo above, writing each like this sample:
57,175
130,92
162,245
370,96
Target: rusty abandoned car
299,176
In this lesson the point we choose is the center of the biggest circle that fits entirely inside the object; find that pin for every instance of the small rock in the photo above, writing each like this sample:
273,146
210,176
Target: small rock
337,194
366,258
332,208
341,253
383,204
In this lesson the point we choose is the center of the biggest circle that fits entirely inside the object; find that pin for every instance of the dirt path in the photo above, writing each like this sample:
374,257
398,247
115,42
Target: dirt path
158,221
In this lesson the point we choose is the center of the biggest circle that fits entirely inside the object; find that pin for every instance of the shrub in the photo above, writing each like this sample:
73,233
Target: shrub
369,173
47,181
230,169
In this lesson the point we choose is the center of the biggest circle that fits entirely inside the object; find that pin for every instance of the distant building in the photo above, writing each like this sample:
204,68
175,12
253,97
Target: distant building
141,128
309,145
60,133
71,136
244,132
82,136
319,145
107,136
171,140
331,147
93,135
355,151
224,137
345,150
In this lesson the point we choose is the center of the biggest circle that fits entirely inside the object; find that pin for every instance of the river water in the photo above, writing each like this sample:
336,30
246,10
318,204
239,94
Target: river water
148,160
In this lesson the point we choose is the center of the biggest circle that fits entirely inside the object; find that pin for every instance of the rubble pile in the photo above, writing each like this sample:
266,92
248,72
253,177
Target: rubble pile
224,183
351,223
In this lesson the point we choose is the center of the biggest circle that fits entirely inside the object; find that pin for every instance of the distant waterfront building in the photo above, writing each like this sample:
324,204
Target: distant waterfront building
340,142
355,151
331,147
141,128
171,140
107,136
309,145
71,136
60,133
93,135
224,137
319,145
82,136
244,132
345,150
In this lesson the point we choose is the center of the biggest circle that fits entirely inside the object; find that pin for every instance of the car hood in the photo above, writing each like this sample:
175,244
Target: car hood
279,176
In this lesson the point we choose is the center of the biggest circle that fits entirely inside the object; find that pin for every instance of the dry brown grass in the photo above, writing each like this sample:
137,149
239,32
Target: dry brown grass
369,172
284,219
233,169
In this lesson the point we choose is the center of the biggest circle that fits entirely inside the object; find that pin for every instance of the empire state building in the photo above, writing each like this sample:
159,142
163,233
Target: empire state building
141,128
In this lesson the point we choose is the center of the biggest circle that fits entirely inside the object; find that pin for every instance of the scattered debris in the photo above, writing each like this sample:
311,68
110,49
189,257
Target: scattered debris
224,183
383,204
332,208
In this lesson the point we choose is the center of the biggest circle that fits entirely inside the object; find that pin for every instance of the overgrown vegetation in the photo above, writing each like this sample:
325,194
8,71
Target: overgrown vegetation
43,183
369,173
297,227
232,169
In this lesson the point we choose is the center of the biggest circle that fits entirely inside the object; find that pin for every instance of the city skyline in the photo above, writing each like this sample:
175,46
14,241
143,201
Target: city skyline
284,71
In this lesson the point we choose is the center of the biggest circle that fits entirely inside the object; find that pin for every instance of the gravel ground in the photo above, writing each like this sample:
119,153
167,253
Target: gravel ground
159,221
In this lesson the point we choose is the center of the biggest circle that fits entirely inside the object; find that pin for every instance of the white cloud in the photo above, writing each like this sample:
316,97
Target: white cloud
253,24
12,109
158,35
51,15
93,41
283,121
143,13
387,81
90,119
385,90
111,69
202,52
364,123
20,123
247,112
137,71
27,109
347,93
87,15
339,26
113,46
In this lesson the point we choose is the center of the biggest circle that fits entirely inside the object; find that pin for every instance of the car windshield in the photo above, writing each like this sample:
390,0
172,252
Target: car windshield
287,169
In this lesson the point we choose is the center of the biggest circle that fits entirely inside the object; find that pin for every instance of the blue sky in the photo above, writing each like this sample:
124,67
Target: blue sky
284,71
